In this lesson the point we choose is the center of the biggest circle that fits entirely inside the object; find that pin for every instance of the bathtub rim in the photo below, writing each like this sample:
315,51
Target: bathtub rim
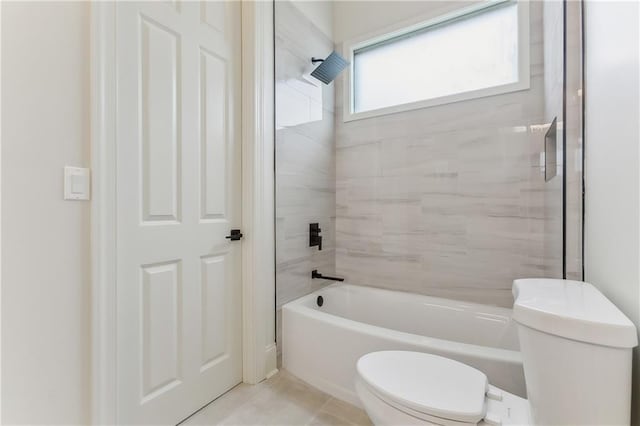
299,306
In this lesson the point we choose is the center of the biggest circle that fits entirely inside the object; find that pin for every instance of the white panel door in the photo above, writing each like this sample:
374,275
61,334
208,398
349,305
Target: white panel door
178,196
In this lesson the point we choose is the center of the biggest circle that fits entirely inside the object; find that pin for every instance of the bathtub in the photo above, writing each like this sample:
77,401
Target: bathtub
322,344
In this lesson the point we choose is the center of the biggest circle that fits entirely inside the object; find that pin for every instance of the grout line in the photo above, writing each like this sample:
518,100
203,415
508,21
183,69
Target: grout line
348,421
325,403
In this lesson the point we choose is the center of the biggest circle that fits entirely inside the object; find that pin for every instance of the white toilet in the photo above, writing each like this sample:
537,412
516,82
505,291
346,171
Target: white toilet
576,349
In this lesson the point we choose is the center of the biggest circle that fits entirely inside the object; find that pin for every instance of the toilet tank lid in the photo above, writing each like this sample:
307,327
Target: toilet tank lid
571,309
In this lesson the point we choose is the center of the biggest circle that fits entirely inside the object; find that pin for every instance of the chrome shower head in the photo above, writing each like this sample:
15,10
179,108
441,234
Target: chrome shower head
329,68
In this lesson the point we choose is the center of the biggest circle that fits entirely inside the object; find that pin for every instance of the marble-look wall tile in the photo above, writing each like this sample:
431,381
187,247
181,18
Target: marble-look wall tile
553,109
574,123
305,157
448,200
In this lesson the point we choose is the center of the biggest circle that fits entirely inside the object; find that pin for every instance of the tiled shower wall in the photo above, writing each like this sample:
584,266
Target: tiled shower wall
553,73
563,72
305,154
573,129
448,200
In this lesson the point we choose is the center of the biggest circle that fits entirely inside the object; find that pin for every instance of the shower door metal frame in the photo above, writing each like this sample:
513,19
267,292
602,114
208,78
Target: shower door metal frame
258,253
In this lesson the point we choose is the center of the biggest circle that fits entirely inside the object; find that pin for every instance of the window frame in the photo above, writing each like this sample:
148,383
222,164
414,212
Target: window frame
419,24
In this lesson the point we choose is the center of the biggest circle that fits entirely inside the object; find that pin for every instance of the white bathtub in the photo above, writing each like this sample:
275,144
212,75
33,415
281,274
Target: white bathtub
322,344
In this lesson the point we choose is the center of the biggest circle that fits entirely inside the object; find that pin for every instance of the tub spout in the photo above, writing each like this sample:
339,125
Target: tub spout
316,274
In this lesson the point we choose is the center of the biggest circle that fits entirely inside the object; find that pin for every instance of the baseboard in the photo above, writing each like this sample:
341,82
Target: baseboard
271,360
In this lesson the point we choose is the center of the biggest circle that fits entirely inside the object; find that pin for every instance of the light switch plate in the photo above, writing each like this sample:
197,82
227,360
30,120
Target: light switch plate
77,183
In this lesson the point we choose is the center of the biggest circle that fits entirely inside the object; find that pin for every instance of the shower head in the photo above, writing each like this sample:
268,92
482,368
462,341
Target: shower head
329,68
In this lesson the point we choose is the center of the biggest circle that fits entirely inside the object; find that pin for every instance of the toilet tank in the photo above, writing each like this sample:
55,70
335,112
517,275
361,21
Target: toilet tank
576,350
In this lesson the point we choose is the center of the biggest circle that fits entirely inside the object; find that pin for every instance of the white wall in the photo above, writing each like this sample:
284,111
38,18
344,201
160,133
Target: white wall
45,240
612,140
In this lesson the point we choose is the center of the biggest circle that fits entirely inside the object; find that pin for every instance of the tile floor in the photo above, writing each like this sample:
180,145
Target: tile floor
281,400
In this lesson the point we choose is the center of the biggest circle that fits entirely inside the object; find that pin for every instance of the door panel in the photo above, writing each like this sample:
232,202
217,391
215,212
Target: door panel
178,195
213,131
214,340
161,329
159,108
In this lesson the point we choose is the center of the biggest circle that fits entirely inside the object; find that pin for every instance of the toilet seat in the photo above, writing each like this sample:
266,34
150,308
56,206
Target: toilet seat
426,386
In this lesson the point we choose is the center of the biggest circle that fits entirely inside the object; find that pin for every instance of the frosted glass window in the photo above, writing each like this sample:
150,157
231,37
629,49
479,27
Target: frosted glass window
468,53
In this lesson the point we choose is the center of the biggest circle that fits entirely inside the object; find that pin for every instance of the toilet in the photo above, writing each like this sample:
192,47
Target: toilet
576,349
